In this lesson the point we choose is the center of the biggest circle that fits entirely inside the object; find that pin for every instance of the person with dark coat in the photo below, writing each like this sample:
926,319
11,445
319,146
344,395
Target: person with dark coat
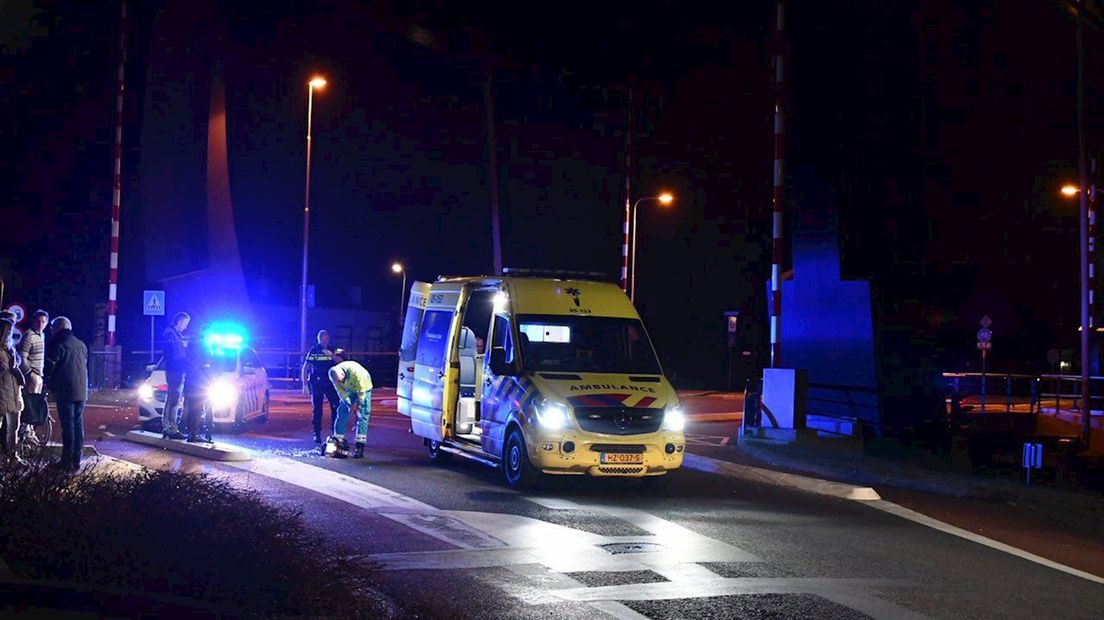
197,377
11,390
174,350
316,381
67,379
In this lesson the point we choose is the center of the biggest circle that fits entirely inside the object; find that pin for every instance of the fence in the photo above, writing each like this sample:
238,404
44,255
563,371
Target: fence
282,365
1019,393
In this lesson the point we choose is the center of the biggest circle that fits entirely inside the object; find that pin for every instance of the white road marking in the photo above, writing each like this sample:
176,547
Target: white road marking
448,529
540,582
922,519
338,486
851,593
544,551
555,503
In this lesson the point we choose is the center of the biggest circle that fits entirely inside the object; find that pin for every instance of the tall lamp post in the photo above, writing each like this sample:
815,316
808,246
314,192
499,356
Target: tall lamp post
1087,221
318,83
397,268
664,199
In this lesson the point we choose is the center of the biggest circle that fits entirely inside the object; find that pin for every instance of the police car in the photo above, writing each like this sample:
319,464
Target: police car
239,394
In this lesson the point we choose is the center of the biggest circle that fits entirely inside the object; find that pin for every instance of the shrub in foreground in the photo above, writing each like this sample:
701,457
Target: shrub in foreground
180,536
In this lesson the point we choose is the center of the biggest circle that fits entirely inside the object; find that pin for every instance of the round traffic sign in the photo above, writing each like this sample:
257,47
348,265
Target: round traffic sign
984,335
19,312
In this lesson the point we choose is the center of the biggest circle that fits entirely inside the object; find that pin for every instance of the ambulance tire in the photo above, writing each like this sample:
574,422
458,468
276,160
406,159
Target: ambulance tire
265,407
518,472
436,454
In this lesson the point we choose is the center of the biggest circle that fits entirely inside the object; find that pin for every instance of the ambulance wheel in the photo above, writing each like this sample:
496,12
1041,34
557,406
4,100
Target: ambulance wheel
516,468
436,454
265,409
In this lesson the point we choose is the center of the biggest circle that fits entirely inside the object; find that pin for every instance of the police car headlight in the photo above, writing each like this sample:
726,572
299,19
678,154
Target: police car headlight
674,419
552,415
145,391
222,394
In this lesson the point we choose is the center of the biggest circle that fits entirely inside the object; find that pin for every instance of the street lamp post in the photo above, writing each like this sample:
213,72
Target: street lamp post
397,268
1087,222
313,84
665,198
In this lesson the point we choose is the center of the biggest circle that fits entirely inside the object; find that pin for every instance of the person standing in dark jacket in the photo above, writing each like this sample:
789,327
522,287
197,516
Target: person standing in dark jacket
197,377
173,347
316,381
67,380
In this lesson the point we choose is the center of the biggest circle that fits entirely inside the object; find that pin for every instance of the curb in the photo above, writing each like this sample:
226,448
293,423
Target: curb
951,489
215,452
777,478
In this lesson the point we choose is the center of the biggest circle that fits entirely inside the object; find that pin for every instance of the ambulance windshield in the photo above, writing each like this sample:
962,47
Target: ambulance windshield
586,344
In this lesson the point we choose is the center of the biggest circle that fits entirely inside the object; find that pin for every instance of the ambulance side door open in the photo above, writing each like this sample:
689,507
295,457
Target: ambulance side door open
496,406
412,326
434,393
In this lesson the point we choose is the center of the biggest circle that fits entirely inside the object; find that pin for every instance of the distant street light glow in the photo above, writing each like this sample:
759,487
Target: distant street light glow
666,198
1070,190
317,82
396,268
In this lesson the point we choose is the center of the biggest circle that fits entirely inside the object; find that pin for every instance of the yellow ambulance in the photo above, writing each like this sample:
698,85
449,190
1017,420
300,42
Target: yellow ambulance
537,376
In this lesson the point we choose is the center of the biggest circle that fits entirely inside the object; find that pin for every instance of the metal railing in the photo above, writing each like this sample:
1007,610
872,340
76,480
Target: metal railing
1022,393
283,365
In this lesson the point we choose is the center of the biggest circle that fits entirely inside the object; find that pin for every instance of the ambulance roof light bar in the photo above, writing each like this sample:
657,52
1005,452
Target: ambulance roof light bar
553,273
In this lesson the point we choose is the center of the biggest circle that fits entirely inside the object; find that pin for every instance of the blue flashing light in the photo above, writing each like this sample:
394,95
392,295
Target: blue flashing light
225,338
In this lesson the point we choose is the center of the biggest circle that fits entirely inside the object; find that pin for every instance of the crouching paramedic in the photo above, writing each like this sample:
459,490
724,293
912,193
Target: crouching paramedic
354,388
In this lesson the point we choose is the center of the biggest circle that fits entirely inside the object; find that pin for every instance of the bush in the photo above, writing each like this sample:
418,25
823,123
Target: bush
173,537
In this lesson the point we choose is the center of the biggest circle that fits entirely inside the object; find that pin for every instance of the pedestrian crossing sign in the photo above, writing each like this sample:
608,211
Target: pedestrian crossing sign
153,303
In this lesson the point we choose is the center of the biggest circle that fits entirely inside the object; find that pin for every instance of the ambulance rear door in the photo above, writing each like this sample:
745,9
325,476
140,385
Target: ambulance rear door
412,327
433,395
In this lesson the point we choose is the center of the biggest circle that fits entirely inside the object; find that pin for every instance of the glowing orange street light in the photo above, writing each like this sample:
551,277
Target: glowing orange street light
1070,190
665,199
317,82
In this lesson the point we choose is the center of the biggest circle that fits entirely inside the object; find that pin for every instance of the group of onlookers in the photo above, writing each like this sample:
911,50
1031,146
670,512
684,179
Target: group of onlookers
57,365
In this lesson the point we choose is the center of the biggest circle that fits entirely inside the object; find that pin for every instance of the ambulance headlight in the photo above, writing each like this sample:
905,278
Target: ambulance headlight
222,394
552,415
674,419
145,391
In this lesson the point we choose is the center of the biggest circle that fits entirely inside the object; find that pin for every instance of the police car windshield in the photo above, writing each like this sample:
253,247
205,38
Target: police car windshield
586,344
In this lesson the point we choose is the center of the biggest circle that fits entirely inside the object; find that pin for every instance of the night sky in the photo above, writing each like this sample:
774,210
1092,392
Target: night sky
944,127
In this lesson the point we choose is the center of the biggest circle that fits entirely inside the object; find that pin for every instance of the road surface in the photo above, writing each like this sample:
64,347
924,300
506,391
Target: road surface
452,541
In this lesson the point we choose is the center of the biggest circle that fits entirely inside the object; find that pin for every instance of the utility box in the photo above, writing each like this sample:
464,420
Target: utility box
785,396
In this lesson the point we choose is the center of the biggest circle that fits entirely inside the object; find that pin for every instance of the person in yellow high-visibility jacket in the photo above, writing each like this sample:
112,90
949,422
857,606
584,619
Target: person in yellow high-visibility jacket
354,387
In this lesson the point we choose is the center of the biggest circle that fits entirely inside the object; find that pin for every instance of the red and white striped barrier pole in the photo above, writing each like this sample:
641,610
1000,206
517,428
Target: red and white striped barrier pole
776,263
628,199
117,184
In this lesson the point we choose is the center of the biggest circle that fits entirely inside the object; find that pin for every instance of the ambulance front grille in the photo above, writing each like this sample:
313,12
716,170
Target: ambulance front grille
619,420
623,471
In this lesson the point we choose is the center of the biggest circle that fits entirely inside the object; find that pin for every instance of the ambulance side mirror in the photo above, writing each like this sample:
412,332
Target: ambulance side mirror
499,365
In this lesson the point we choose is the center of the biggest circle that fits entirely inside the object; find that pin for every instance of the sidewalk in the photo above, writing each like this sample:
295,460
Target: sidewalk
1061,525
